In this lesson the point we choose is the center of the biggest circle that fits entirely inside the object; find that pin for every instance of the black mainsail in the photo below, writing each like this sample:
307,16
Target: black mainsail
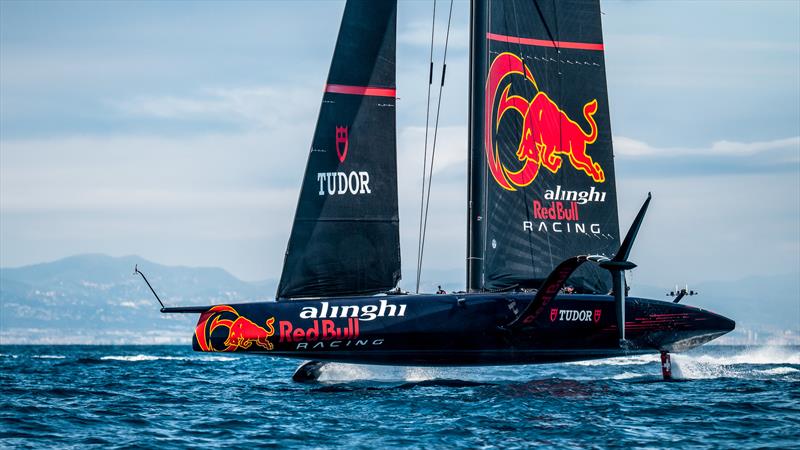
541,169
345,237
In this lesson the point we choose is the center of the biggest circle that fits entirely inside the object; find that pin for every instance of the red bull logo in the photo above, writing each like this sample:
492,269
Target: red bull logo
242,332
549,135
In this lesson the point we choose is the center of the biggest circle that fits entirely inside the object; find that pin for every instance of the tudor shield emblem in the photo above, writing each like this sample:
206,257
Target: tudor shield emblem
553,314
342,142
597,313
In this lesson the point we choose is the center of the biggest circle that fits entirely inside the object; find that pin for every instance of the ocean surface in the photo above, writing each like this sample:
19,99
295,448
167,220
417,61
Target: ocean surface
171,397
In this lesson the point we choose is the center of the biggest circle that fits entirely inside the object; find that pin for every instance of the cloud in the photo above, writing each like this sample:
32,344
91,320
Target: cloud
418,34
628,147
720,157
248,107
124,173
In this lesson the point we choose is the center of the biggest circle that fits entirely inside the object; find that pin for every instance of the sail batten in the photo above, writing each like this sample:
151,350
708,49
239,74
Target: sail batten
345,236
542,183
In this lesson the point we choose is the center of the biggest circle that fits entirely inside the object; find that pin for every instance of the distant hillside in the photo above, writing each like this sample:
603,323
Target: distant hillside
98,299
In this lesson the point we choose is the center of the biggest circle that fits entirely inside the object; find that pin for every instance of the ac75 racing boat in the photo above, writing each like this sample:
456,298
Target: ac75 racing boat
541,190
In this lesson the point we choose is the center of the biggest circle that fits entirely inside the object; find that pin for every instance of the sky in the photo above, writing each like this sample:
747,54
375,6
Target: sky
179,131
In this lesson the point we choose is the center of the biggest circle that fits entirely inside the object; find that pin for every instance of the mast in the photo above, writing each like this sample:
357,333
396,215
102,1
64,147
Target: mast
476,161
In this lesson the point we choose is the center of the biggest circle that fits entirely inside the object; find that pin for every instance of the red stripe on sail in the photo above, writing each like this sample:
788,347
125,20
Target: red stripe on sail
544,43
360,90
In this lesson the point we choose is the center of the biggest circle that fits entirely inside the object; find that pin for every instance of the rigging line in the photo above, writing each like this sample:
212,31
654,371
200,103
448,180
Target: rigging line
484,222
425,155
544,22
435,133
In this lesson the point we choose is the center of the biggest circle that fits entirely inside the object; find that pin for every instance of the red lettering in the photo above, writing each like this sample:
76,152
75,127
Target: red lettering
555,211
285,331
313,333
552,211
537,209
327,330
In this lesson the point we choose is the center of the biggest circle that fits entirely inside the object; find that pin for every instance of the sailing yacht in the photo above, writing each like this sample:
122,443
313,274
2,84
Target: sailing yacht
545,257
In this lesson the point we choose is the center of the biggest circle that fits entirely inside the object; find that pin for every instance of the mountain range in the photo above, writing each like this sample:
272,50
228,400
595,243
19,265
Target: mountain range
94,298
97,299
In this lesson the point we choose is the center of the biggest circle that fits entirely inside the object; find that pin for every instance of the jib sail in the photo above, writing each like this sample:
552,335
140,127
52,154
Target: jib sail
541,168
345,236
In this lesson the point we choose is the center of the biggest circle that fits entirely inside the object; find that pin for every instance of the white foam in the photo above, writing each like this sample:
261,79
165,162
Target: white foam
779,371
626,376
212,358
137,358
737,365
421,373
332,372
619,361
49,356
687,368
756,355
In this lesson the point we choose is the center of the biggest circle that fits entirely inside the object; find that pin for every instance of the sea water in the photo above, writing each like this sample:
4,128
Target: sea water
171,397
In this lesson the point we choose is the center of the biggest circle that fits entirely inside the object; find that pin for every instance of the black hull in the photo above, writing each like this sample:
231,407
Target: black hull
452,330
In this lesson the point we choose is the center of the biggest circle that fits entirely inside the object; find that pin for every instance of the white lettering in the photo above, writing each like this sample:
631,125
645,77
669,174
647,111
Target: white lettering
308,312
363,312
558,227
321,177
342,180
364,176
340,183
352,185
331,182
582,197
575,315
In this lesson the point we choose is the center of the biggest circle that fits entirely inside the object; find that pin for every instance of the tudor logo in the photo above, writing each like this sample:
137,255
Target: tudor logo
342,142
575,315
355,182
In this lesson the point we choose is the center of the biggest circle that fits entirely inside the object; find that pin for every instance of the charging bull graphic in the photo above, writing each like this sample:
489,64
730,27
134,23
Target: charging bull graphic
548,134
242,332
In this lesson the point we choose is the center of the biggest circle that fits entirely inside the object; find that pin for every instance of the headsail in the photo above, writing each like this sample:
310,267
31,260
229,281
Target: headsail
542,185
345,236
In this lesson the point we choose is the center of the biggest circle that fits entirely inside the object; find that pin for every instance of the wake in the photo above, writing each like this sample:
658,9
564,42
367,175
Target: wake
755,363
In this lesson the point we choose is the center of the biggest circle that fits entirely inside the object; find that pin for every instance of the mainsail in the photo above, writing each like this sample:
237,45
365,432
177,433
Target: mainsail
345,236
541,169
